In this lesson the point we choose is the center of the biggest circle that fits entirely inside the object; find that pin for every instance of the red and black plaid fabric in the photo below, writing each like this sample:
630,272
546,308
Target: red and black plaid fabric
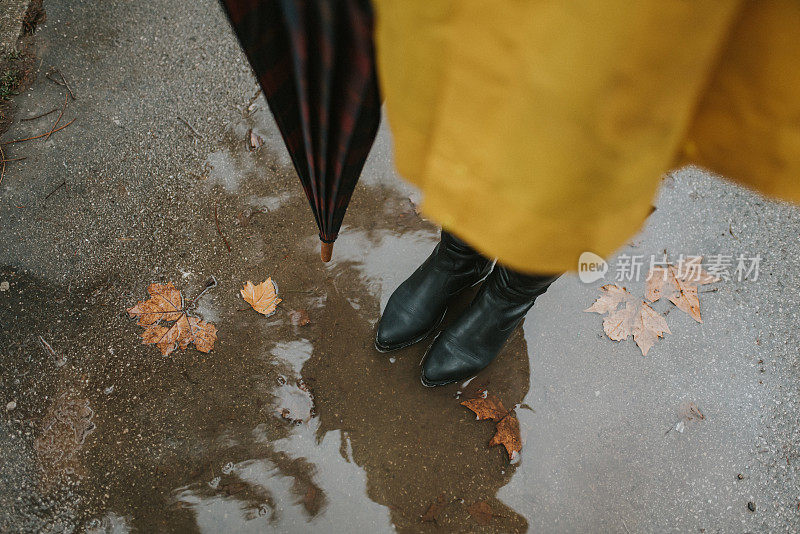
315,62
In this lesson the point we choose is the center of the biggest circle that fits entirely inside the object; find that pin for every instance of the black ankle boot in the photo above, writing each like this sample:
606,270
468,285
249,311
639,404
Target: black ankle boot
475,339
417,307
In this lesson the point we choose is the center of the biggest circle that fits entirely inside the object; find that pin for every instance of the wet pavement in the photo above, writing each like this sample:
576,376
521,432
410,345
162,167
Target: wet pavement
307,428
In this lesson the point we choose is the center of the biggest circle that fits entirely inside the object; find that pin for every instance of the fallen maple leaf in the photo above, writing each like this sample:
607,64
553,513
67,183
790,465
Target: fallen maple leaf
508,435
263,297
681,288
482,512
507,428
635,317
165,305
486,408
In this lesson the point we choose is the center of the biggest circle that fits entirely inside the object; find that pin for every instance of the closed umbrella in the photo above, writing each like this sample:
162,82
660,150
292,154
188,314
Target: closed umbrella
315,62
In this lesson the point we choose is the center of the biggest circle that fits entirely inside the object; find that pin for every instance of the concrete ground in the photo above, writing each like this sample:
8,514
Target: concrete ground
306,428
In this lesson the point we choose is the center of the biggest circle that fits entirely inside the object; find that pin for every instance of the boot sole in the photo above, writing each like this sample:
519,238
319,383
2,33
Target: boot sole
430,384
436,384
384,349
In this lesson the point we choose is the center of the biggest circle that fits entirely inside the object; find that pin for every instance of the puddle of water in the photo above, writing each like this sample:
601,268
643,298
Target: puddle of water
269,203
295,353
380,449
294,402
257,494
110,523
227,171
383,258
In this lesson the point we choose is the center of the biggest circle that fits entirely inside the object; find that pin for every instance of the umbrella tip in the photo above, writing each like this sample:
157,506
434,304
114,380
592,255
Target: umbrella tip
326,251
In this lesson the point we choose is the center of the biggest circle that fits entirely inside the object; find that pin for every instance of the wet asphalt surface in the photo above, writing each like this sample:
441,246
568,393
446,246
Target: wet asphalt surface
307,428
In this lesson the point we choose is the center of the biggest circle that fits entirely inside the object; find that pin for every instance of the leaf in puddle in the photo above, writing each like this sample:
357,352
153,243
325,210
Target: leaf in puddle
635,317
486,408
680,287
201,333
262,297
165,305
434,509
508,435
299,317
507,427
481,512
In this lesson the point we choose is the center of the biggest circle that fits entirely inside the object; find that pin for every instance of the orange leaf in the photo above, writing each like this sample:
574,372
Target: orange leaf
508,435
164,306
486,408
202,334
263,297
628,315
165,303
681,287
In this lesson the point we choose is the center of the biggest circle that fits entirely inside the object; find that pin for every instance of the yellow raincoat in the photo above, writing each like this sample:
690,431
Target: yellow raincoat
539,129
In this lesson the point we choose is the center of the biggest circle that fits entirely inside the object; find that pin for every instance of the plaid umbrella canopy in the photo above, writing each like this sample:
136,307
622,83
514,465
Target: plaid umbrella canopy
315,62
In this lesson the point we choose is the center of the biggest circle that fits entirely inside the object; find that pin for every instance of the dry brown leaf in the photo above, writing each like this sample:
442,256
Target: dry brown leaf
635,317
299,317
508,436
486,408
165,305
679,288
201,333
507,428
482,512
434,509
263,297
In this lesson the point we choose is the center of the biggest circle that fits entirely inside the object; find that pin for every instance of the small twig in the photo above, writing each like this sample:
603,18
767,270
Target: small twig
62,83
38,136
216,220
40,115
59,360
195,132
61,114
50,77
47,347
14,159
62,184
63,79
